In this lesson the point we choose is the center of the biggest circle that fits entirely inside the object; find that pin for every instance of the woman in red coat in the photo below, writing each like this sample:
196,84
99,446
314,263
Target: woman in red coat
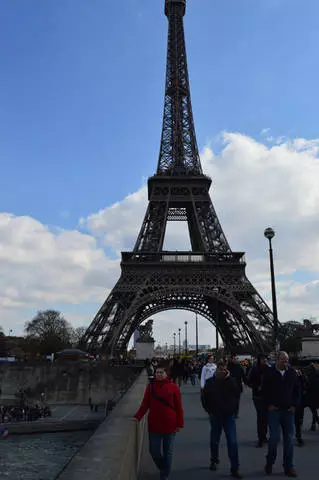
162,399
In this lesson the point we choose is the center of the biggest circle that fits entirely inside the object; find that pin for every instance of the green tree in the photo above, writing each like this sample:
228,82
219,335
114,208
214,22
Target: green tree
292,332
290,335
48,331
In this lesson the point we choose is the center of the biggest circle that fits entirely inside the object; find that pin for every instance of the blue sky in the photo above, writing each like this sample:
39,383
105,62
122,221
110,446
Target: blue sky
82,90
82,86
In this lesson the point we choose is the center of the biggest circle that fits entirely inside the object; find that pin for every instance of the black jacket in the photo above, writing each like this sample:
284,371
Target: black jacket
237,372
281,391
219,396
255,379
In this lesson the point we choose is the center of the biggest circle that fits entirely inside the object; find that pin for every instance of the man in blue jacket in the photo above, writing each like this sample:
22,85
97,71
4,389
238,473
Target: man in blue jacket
281,393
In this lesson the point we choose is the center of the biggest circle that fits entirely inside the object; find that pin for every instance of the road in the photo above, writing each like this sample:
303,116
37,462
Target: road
191,456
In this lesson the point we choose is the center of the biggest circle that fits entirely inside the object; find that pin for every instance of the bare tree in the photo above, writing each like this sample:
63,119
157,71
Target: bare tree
50,330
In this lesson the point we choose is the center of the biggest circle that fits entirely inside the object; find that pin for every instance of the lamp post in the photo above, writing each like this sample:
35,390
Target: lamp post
185,338
196,336
179,341
174,336
269,234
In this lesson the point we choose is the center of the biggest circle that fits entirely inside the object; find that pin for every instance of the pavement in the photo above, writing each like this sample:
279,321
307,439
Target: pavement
191,453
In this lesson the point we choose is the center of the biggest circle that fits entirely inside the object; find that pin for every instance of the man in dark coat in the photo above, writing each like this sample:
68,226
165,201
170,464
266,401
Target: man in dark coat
237,372
219,398
255,381
281,394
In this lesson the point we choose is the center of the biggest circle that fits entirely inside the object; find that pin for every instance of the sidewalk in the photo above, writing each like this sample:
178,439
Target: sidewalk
191,457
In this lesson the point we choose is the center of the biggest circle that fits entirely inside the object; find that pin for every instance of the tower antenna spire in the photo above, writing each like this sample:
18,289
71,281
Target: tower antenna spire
178,152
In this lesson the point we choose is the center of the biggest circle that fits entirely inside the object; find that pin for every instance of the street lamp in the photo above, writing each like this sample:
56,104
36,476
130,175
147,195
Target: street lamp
196,336
179,341
174,335
269,234
185,338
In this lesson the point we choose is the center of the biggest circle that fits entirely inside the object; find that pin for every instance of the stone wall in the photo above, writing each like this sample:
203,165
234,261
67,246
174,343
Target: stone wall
67,382
114,450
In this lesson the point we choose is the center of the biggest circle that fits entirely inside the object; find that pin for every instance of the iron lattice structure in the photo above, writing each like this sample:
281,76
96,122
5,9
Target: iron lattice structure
210,279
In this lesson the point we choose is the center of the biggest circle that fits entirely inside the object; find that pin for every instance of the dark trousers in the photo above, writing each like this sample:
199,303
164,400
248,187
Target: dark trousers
299,416
237,404
281,420
262,418
193,379
161,450
315,418
217,425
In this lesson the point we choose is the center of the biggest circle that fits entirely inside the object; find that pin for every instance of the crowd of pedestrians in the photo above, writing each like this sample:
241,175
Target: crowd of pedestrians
280,394
14,413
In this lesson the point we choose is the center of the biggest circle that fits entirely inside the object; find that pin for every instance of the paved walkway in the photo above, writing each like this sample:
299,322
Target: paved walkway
191,455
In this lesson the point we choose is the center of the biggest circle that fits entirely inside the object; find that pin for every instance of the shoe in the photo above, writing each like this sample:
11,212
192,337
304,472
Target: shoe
268,469
300,442
213,467
291,472
259,444
313,427
235,474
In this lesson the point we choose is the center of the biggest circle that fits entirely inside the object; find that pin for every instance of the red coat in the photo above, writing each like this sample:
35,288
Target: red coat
161,418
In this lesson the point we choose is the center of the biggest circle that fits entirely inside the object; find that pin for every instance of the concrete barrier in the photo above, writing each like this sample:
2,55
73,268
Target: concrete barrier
114,450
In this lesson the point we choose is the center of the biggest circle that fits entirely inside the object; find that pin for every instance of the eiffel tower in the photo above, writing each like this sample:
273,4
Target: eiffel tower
210,279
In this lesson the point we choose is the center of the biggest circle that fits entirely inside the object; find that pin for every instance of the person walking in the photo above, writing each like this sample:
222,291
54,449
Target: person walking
162,399
255,382
208,371
237,372
219,399
281,395
300,409
313,394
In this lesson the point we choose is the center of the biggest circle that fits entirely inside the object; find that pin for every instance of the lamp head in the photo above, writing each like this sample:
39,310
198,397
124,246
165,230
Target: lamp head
269,233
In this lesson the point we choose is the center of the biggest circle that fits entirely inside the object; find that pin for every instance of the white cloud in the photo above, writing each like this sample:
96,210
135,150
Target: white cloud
40,268
254,186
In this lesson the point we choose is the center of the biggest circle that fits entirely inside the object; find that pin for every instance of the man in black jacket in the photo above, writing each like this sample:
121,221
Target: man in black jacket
255,381
237,372
281,396
219,399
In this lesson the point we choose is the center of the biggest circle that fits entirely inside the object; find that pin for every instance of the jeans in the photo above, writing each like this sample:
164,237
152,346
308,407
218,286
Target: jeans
284,420
159,443
262,418
228,424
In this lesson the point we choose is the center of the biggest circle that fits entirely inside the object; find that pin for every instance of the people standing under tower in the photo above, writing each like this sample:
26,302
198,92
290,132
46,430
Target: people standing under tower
208,370
255,381
281,395
162,399
237,372
219,399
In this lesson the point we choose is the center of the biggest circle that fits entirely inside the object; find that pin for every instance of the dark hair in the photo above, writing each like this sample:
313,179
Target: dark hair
163,366
220,364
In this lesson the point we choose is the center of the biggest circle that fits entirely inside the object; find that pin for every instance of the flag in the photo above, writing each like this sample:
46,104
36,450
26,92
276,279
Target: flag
5,433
